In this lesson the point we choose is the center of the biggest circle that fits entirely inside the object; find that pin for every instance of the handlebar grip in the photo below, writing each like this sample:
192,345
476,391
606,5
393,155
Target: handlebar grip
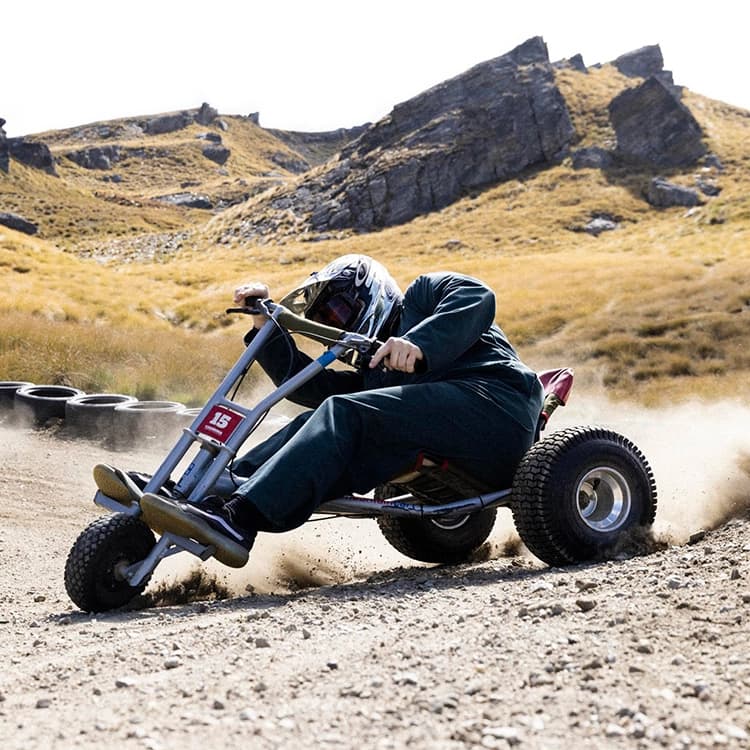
252,301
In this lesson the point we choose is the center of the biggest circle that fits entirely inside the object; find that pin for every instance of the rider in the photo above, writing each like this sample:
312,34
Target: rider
446,382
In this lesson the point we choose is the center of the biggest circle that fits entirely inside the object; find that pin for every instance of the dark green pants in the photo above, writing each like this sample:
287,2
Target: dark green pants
354,442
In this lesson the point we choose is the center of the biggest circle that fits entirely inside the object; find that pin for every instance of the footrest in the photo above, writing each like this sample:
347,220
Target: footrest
163,515
116,484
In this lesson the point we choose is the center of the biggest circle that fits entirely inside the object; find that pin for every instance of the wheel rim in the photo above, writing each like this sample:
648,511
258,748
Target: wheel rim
603,499
450,522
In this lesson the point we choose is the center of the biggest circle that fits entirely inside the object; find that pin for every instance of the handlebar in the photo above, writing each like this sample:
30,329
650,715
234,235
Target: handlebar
294,323
324,334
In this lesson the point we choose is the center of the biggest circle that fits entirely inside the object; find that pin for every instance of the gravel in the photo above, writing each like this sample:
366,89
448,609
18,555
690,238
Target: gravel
335,640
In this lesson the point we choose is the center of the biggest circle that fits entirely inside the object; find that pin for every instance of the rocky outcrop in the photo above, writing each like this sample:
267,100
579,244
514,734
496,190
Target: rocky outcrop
641,63
592,157
32,154
168,123
206,114
4,151
654,127
664,194
572,63
646,62
487,125
216,153
14,221
96,157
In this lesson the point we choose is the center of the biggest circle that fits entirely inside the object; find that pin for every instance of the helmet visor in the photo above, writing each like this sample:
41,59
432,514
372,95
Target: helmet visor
339,309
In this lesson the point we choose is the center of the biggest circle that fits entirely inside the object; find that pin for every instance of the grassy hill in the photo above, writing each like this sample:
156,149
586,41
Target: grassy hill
122,291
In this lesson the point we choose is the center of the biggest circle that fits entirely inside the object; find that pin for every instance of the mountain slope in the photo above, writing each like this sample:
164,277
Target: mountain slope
652,306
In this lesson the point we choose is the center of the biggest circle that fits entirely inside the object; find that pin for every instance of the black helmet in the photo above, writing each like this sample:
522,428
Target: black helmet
353,292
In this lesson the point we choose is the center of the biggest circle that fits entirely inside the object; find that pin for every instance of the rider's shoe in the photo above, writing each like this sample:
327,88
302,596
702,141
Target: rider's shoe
214,511
117,484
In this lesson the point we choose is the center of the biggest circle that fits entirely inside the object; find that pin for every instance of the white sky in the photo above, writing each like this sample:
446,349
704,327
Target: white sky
323,64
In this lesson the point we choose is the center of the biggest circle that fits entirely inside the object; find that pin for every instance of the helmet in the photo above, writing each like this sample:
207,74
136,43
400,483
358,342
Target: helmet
353,292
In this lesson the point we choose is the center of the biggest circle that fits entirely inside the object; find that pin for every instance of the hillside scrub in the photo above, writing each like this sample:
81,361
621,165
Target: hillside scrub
656,309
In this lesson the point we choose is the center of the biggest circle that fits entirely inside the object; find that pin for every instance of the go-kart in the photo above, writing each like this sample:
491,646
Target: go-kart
574,495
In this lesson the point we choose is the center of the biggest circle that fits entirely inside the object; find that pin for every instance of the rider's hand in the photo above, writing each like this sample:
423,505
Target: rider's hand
252,289
397,354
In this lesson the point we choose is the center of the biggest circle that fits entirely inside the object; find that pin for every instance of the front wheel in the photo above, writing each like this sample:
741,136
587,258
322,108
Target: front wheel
94,570
577,492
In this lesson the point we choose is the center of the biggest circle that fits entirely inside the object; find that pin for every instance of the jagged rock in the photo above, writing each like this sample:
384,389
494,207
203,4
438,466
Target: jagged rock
32,154
663,194
187,200
219,154
254,118
479,128
641,63
654,127
14,221
167,123
212,137
96,157
206,114
592,157
4,151
572,63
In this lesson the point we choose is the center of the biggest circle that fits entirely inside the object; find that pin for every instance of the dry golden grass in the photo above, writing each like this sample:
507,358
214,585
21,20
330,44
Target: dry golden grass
658,309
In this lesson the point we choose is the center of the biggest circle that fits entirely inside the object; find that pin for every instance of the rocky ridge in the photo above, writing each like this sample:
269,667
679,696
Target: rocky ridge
498,120
494,122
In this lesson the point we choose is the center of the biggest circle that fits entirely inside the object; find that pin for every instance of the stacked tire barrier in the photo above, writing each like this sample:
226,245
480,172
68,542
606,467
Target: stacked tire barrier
117,420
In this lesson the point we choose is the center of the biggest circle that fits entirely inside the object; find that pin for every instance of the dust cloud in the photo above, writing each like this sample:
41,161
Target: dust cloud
699,453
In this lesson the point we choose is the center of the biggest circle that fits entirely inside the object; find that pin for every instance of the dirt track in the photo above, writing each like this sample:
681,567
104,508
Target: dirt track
332,640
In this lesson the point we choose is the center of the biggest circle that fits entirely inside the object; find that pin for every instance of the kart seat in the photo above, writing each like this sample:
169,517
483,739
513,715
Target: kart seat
434,479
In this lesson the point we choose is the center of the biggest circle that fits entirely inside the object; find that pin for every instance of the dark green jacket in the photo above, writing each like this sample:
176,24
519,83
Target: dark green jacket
451,318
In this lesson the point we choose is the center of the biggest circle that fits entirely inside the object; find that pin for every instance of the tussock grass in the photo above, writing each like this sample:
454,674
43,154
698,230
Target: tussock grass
656,310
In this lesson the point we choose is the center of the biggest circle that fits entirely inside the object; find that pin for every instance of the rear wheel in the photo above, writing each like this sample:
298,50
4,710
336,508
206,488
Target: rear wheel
446,539
577,492
94,570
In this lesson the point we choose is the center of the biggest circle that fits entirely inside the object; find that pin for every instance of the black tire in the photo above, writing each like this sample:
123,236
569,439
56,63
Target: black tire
92,415
91,577
41,403
577,492
153,423
8,390
449,539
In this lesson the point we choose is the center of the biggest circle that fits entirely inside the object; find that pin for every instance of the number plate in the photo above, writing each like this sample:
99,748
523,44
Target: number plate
220,423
